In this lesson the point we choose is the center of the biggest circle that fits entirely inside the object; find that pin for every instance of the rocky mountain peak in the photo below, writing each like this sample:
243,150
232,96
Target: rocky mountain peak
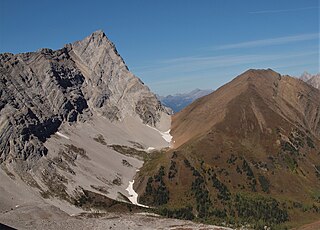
95,47
305,76
313,80
41,90
110,88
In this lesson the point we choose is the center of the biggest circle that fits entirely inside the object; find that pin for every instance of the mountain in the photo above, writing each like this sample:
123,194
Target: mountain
75,125
313,80
179,101
305,76
41,90
247,153
84,143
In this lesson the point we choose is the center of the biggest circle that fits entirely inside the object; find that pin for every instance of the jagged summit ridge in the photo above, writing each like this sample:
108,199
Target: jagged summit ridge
313,80
109,83
41,90
94,47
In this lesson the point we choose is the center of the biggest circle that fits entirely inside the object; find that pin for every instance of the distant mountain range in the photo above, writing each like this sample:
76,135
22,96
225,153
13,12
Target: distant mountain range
313,80
179,101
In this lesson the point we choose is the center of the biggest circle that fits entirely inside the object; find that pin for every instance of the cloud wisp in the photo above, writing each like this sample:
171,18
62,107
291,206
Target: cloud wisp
270,41
191,64
283,10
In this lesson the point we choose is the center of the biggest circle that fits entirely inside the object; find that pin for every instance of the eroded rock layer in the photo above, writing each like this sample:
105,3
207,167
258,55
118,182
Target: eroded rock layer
41,90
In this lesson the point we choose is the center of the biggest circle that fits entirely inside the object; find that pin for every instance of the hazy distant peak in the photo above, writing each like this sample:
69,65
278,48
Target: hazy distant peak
313,80
305,76
178,101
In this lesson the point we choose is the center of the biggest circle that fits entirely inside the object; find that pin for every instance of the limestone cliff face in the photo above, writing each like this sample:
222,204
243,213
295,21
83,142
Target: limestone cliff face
109,87
41,90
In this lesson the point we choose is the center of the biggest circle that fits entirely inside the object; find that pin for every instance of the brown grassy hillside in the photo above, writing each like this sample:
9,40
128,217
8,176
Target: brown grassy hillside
247,153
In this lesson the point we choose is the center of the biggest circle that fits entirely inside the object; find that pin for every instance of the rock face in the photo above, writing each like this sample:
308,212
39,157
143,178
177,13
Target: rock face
41,90
109,87
313,80
305,76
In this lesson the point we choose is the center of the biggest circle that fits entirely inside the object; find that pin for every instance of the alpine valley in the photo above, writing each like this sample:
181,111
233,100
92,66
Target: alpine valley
85,144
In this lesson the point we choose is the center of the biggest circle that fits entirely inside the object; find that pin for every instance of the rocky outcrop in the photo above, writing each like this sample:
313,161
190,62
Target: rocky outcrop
313,80
109,87
41,90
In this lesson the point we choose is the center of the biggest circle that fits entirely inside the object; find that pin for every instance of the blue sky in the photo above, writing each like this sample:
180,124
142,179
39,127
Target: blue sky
176,46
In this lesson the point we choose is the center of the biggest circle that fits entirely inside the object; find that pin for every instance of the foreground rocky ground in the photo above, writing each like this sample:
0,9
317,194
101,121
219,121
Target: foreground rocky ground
23,208
48,217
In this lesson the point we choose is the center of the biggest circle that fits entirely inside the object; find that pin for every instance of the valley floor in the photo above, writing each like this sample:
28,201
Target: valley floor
24,209
28,218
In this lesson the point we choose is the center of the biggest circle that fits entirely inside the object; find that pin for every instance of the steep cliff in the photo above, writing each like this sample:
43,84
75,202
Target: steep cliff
41,90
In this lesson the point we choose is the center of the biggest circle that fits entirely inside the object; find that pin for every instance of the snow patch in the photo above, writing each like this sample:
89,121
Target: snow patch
150,149
165,135
62,135
133,196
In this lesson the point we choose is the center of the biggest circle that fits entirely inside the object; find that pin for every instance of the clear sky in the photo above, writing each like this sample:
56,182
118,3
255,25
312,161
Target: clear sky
175,45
